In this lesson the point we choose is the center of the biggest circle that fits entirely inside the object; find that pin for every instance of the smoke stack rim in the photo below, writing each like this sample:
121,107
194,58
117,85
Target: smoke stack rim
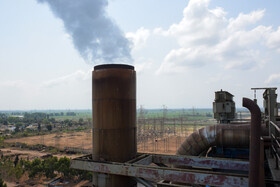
113,66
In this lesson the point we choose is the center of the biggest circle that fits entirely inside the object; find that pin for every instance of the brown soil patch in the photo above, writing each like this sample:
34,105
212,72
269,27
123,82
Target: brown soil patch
168,144
78,139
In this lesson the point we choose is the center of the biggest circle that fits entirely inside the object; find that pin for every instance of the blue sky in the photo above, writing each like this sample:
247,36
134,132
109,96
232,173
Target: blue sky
183,51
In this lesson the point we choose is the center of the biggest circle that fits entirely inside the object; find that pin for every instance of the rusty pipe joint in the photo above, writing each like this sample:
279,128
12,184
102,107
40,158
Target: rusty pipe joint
255,133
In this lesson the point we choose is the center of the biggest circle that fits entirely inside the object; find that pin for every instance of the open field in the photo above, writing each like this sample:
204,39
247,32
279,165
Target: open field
165,145
82,140
59,140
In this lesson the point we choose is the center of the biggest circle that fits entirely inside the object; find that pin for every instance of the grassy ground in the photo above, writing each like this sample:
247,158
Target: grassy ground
85,115
196,114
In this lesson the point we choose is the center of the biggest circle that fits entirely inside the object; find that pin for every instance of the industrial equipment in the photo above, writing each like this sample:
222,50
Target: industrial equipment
115,161
114,119
224,107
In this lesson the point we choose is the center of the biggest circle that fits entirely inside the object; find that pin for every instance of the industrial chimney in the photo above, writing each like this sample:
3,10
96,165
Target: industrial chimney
114,119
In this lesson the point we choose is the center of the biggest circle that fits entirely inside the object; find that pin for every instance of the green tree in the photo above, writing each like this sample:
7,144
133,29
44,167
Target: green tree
68,122
20,124
35,168
17,129
49,127
84,175
1,141
64,167
50,166
52,120
2,184
46,122
39,127
13,119
27,165
18,171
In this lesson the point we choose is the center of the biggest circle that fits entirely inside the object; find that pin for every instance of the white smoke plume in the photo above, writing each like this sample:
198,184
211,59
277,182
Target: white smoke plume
97,38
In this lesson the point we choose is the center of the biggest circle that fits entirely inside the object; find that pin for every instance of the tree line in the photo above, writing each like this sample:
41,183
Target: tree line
49,167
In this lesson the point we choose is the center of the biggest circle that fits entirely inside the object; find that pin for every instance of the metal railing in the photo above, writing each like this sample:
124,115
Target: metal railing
275,145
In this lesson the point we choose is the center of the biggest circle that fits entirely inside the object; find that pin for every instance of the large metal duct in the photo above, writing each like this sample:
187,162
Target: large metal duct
226,135
254,158
114,119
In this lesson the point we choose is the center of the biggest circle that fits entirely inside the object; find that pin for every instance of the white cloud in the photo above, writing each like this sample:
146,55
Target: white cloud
76,76
199,26
273,40
139,37
245,64
243,20
143,64
273,79
206,36
181,59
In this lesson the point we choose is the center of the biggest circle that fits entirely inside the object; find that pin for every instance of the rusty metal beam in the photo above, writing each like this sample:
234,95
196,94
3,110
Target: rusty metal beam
181,160
154,173
145,161
227,164
138,156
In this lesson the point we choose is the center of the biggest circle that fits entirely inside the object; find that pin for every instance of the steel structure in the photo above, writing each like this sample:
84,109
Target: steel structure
115,161
272,120
151,169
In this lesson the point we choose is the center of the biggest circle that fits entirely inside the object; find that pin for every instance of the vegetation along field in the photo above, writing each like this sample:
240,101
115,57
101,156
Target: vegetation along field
29,137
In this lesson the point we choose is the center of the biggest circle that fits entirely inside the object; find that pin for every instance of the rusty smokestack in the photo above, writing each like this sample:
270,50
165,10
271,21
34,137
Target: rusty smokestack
114,119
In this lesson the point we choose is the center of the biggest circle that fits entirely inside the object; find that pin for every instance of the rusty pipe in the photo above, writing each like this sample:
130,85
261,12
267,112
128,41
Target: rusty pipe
226,135
254,141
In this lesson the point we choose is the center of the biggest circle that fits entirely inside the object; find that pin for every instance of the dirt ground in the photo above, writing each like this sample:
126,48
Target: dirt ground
78,139
166,145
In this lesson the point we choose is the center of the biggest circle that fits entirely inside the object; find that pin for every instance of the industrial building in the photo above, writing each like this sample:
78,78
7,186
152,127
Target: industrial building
229,153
